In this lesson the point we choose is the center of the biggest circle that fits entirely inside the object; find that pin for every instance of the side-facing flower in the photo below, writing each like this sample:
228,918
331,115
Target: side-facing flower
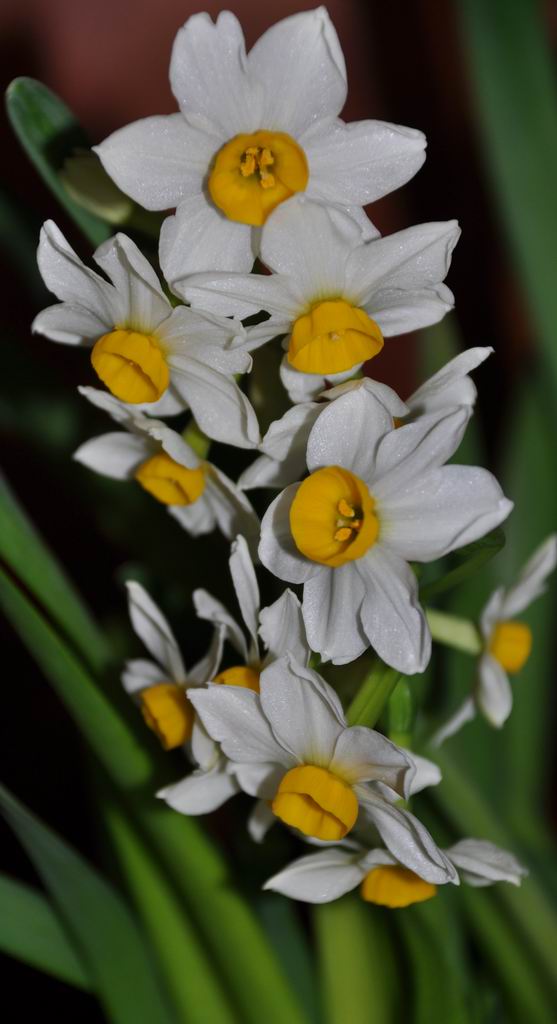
283,448
160,686
280,627
253,130
329,874
143,350
290,744
507,643
196,493
332,293
376,499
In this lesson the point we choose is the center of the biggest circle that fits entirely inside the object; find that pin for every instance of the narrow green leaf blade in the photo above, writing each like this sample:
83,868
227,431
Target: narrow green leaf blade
110,941
31,931
49,132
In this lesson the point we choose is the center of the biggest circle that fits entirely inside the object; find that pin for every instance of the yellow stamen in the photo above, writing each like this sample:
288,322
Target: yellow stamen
394,886
333,337
169,482
241,184
168,712
510,644
316,802
132,365
332,517
239,675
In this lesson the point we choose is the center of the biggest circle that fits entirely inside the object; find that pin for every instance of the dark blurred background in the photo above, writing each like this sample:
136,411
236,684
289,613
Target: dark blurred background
108,61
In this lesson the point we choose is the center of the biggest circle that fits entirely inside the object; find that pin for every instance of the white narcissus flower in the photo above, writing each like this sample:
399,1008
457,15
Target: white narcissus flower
283,447
253,130
196,493
334,294
290,744
329,874
146,353
507,643
281,629
376,499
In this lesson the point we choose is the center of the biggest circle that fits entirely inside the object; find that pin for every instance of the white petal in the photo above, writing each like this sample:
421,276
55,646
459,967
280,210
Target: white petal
360,162
69,324
260,821
348,432
209,76
221,410
232,511
407,454
450,386
301,387
494,693
152,628
300,63
139,673
207,667
391,615
427,774
186,327
532,580
416,258
282,629
284,447
172,442
244,295
407,839
204,751
142,304
277,549
399,311
332,603
207,607
319,877
466,712
309,244
247,590
119,411
197,519
198,238
301,718
481,863
364,755
158,161
442,511
201,792
492,612
71,281
232,715
384,394
115,455
260,779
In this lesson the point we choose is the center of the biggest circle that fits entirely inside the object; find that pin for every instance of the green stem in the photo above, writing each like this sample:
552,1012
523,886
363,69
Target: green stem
197,439
400,714
358,977
454,631
367,706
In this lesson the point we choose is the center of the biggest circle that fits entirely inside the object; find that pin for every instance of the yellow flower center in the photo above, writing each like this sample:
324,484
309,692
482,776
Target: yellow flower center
316,802
239,675
332,517
168,712
169,482
394,886
332,337
252,174
510,645
132,365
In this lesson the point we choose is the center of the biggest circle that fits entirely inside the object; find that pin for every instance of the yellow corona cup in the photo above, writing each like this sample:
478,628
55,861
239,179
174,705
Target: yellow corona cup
169,482
168,712
390,885
316,802
510,645
332,517
240,675
132,365
333,337
252,174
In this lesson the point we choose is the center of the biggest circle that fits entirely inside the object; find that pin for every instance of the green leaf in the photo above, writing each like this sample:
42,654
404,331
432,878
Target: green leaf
30,560
371,698
508,51
49,133
103,929
435,992
470,559
31,930
359,977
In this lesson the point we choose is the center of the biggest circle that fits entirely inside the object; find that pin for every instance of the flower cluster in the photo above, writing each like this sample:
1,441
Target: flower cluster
258,165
